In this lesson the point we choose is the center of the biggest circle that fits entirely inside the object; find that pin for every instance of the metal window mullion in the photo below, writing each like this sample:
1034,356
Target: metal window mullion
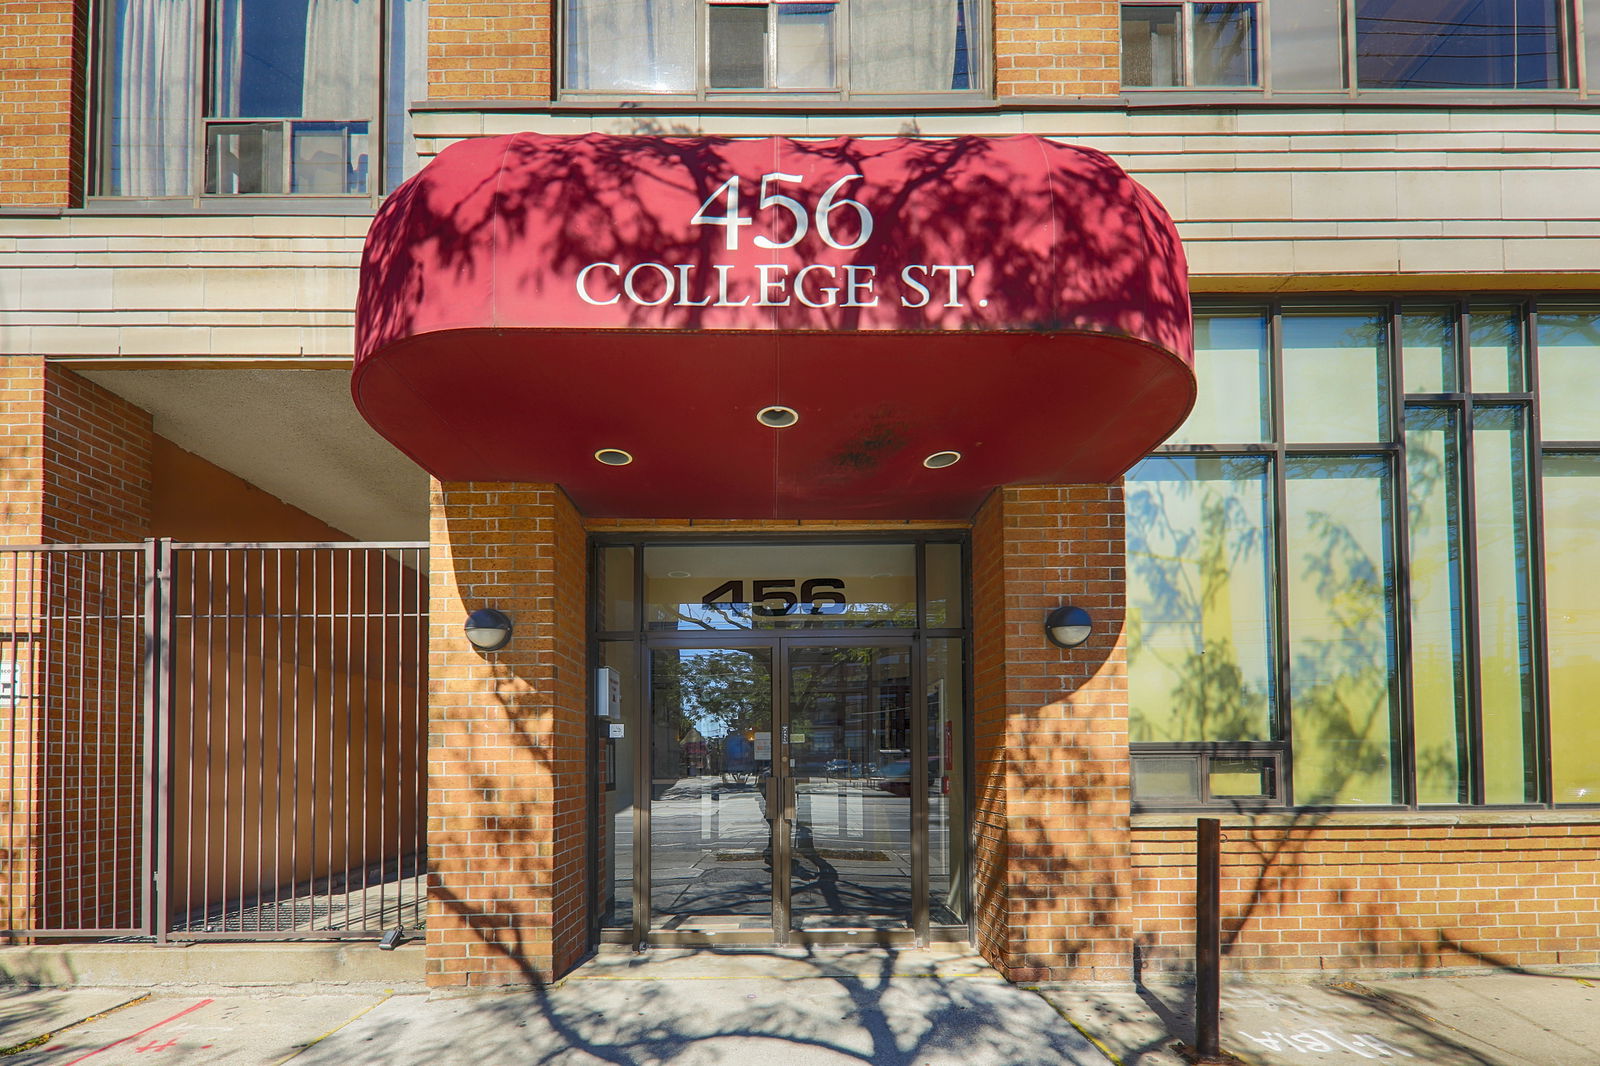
378,128
1263,50
1470,626
643,732
1351,46
1401,539
1186,44
841,48
1280,551
917,716
770,75
197,164
702,81
1540,627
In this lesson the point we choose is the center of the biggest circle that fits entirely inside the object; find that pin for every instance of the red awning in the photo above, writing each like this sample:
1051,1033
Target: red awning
529,301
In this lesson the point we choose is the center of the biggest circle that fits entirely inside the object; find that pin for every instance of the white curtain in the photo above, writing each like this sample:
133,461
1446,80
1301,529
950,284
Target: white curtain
152,135
903,45
340,80
644,45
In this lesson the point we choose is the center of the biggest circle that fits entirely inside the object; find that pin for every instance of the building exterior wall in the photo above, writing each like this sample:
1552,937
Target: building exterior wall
507,787
1050,737
41,101
1059,49
1325,196
490,51
1350,891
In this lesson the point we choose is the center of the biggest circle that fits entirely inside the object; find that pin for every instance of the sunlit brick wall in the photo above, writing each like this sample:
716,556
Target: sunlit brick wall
1057,48
507,782
40,99
1050,736
490,51
1321,892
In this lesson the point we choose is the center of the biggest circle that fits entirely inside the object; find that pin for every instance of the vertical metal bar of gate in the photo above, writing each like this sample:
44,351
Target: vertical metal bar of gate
158,738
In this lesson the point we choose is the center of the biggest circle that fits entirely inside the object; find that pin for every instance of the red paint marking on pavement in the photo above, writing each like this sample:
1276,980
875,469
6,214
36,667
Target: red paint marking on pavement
140,1033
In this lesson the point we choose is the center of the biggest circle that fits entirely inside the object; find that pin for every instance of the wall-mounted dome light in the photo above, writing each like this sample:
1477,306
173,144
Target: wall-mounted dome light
613,456
941,459
776,417
1067,627
488,629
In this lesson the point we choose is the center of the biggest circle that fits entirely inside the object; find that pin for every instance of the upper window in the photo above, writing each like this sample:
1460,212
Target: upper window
1461,44
693,47
1212,45
277,97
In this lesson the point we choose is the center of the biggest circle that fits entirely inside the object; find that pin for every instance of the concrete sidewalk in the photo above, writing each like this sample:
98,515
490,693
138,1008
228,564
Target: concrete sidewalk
1490,1019
912,1008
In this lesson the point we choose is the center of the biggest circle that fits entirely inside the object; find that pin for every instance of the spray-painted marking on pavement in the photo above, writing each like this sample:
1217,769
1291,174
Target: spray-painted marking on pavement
1326,1042
141,1032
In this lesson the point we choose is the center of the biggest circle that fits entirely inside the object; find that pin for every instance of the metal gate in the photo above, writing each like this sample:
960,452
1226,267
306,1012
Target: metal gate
213,741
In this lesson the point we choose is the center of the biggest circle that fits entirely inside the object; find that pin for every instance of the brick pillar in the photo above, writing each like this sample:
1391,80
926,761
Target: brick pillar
1052,867
77,467
507,738
1064,48
480,50
41,56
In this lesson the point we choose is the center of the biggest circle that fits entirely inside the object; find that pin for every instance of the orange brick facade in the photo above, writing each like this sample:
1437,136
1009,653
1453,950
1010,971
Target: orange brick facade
1344,892
1057,48
507,781
41,97
78,468
1050,736
490,51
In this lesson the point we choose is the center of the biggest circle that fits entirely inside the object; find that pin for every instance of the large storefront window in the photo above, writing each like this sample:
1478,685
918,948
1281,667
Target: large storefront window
688,47
1356,590
236,97
786,760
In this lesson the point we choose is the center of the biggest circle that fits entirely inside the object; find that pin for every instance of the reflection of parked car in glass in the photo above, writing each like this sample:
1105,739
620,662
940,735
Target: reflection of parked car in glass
836,767
895,777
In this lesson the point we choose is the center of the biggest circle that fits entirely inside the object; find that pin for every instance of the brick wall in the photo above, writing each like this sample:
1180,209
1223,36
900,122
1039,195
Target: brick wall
1050,737
76,466
481,50
1346,892
507,791
40,95
1060,48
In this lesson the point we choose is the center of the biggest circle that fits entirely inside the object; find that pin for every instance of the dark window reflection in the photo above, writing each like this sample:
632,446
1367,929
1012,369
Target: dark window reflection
1458,44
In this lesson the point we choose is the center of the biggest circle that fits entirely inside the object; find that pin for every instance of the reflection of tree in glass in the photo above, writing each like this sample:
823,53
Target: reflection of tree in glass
1183,577
710,695
1438,669
1342,635
1197,551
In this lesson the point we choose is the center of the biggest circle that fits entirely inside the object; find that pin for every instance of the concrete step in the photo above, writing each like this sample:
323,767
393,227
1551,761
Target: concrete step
355,966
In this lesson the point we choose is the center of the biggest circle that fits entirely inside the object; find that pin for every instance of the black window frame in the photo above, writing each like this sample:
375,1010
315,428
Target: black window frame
1461,400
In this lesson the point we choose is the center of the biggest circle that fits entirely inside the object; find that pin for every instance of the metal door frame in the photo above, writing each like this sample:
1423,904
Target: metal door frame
783,932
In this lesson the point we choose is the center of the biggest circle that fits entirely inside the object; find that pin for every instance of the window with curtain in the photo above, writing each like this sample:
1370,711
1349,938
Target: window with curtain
1190,45
275,97
694,47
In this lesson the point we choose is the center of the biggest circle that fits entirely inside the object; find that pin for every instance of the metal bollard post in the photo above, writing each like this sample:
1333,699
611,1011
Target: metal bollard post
1207,937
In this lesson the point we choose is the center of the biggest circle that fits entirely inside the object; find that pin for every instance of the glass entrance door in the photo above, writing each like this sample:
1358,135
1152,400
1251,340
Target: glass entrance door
849,730
781,790
713,792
